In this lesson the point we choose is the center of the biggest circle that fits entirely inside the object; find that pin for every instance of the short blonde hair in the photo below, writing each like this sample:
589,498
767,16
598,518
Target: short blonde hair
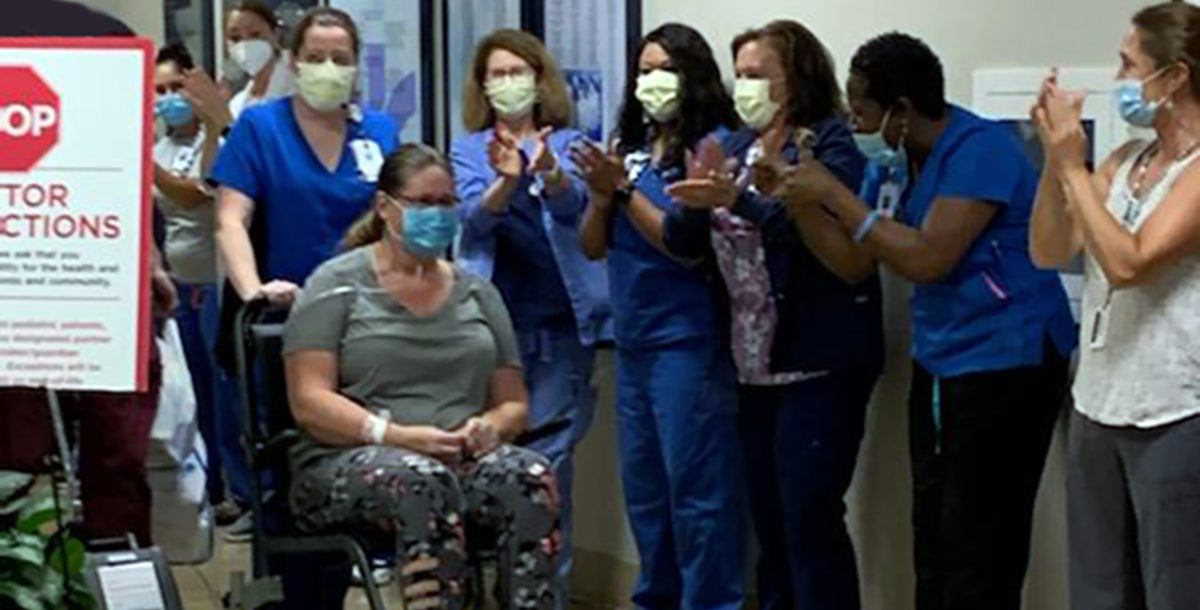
554,105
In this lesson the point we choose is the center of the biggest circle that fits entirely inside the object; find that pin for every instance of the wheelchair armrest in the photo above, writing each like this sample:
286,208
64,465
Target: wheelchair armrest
542,432
274,451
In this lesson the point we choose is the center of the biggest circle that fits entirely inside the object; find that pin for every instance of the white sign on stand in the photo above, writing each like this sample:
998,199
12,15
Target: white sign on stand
75,213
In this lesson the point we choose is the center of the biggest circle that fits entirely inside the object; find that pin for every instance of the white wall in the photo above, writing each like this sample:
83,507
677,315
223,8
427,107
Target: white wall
968,35
144,16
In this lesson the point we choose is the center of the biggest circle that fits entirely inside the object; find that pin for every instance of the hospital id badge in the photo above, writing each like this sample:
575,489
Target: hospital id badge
1100,328
369,159
889,199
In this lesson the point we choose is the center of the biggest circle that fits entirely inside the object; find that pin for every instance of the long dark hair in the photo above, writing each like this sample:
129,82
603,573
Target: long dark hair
812,85
705,104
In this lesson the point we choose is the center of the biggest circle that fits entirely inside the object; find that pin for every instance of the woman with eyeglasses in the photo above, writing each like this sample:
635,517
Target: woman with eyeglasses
522,205
676,387
405,378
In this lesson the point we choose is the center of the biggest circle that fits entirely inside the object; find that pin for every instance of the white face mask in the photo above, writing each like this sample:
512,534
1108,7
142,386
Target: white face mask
252,55
658,91
325,86
752,97
512,96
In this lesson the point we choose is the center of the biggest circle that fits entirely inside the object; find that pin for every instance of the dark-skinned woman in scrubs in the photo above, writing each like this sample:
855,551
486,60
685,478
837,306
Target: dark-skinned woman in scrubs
991,333
522,203
807,334
676,386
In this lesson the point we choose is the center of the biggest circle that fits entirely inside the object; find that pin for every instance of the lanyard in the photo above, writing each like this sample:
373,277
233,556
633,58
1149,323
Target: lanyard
937,416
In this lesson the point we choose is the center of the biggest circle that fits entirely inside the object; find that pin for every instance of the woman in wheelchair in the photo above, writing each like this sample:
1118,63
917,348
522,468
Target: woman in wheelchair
405,379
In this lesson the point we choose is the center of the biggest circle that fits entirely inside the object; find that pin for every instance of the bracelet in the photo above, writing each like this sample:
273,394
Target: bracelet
374,430
867,224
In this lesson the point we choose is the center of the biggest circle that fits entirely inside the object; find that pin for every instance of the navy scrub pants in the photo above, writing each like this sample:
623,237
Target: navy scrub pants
802,442
682,472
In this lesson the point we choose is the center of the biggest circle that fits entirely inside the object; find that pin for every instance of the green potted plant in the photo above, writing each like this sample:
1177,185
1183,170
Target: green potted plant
34,553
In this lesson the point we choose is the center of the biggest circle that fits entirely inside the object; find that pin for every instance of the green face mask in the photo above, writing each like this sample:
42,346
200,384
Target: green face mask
752,98
658,91
512,96
325,86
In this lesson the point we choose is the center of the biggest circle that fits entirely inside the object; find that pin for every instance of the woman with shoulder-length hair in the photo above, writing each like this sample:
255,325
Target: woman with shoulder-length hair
1133,477
806,325
676,388
522,202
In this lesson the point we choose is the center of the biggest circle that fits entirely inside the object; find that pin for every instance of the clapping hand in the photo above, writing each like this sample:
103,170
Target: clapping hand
208,102
709,182
603,173
1058,116
504,153
543,160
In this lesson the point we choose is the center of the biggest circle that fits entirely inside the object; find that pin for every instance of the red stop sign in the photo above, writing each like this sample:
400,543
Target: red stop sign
29,118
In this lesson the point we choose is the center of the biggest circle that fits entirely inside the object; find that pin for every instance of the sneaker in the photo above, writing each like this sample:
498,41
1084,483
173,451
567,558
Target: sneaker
228,512
241,530
382,572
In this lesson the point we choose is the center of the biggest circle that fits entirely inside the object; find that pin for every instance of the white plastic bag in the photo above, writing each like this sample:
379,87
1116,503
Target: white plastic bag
176,465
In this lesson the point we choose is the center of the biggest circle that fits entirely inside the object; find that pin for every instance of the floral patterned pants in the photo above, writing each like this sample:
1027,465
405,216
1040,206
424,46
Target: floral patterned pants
507,500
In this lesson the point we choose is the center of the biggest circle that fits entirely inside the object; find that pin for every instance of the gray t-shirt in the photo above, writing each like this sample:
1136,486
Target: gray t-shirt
426,371
190,249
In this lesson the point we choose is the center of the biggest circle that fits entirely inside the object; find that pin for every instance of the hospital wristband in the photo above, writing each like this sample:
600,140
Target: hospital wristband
868,223
374,430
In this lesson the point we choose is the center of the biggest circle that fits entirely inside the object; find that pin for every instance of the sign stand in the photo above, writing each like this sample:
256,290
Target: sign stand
75,242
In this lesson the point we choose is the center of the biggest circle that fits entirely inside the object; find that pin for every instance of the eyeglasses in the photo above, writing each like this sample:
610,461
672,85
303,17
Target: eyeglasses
402,201
509,72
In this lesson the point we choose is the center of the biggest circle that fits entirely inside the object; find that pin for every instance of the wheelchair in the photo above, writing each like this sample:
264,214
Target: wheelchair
268,432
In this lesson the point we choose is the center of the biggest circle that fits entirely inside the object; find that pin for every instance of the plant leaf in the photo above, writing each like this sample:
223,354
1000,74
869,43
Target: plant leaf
12,484
79,596
76,555
23,597
50,588
20,553
35,514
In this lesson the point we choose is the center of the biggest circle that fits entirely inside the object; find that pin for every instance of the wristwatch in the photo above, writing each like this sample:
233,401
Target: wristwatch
622,196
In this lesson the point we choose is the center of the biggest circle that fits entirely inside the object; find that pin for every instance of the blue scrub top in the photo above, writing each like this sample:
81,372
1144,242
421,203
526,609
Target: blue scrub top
657,300
995,310
302,210
527,272
531,250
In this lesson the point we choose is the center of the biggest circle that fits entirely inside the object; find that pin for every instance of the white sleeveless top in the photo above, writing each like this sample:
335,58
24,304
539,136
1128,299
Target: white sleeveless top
1144,369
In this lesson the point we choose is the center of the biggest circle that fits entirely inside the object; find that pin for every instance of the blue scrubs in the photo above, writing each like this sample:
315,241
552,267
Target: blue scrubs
302,210
557,298
676,407
990,344
996,309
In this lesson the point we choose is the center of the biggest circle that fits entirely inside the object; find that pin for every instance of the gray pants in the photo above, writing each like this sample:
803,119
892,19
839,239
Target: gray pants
1134,507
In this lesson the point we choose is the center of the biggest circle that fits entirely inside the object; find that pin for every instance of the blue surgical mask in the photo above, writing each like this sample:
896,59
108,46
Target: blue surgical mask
428,231
875,148
1130,99
174,109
